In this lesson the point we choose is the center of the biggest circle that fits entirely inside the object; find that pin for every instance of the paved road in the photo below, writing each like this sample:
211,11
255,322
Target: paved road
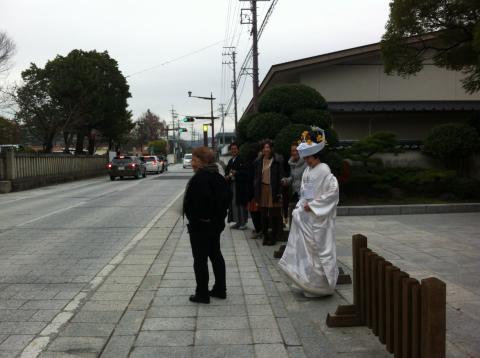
101,269
54,241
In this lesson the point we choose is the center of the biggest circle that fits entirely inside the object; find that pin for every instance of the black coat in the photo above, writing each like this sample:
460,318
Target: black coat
241,177
276,175
206,200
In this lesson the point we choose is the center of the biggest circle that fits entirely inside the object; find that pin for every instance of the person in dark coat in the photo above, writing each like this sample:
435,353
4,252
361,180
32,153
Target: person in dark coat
236,176
252,205
268,175
205,206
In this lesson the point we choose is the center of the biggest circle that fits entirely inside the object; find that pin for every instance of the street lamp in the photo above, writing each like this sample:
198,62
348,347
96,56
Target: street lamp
212,124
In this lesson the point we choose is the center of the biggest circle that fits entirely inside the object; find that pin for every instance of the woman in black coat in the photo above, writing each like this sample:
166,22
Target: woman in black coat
205,206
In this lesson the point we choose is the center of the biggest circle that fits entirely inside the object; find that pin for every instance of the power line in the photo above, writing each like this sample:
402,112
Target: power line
177,58
248,57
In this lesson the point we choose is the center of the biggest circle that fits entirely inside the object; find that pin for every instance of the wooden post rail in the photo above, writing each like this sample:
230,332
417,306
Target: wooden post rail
408,316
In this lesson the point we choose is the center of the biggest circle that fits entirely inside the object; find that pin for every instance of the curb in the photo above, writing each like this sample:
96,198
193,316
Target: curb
407,209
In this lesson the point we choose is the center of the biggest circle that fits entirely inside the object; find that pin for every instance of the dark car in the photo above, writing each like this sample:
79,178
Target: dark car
126,166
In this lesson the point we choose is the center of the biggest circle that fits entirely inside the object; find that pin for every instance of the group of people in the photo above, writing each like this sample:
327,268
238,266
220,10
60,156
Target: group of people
258,187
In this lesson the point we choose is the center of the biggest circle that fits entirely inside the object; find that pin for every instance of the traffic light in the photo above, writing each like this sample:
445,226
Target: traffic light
182,130
189,119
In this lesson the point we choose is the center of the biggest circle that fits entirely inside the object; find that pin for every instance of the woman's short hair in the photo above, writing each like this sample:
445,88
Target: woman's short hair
205,155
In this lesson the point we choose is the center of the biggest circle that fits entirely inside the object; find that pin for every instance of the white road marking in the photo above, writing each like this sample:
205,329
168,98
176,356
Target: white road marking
51,213
36,347
74,205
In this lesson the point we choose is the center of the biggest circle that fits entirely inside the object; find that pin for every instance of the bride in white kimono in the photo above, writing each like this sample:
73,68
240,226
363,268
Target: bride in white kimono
310,257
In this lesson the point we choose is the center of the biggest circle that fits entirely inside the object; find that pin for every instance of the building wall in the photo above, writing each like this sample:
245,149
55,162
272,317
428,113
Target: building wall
406,125
365,80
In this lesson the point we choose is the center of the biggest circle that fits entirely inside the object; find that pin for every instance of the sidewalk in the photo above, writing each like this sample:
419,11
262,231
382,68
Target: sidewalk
141,309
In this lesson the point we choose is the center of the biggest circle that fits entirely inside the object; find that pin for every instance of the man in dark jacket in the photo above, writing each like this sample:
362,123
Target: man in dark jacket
236,175
205,206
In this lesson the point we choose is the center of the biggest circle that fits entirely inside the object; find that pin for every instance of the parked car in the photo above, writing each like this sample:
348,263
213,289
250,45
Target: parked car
187,161
152,163
164,162
126,166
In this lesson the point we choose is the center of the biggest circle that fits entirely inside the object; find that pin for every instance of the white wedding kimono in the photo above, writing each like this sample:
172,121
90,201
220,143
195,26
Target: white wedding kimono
310,258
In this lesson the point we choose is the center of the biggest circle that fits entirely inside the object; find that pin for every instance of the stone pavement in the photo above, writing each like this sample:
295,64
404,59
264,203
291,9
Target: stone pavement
139,307
446,246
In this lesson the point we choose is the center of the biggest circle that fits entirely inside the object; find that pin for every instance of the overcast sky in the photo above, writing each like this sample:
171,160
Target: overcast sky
145,34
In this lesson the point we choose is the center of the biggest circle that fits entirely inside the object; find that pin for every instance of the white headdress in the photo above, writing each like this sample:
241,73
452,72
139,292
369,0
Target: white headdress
311,142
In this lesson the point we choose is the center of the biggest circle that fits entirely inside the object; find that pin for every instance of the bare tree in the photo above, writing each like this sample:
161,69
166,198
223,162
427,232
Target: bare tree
7,50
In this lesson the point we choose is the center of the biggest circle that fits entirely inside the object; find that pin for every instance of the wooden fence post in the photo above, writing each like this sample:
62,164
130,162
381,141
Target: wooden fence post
381,299
398,278
433,312
407,318
389,336
350,315
374,288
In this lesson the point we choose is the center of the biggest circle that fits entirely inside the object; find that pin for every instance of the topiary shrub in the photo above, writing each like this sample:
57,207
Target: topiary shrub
334,161
265,125
249,151
315,117
453,144
288,99
242,127
287,136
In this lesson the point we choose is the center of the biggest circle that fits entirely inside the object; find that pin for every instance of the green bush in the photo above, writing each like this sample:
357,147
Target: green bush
249,151
313,117
242,127
466,188
453,144
363,150
265,126
289,134
380,182
334,161
475,123
288,99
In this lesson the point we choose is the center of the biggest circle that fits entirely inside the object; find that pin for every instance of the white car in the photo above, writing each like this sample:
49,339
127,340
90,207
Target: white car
152,163
187,161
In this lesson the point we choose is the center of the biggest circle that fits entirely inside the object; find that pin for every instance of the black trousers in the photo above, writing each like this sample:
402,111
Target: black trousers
271,217
205,244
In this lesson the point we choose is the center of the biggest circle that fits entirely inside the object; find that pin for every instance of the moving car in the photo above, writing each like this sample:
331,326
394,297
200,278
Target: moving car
152,163
187,161
126,166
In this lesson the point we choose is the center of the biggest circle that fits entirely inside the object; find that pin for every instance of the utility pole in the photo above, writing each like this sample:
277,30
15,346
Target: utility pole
174,126
233,62
252,20
222,113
